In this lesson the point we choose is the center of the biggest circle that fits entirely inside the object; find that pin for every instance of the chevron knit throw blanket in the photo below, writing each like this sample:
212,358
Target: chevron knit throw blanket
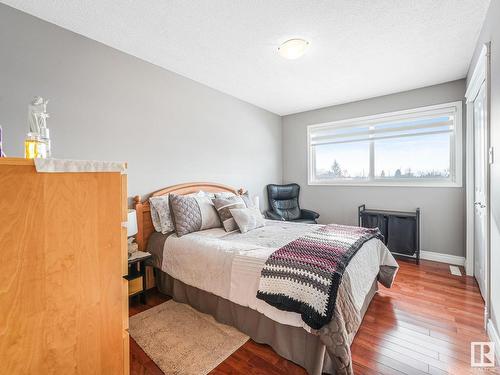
304,276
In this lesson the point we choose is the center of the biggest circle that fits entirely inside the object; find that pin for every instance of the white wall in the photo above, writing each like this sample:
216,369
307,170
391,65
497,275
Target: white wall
491,33
108,105
443,209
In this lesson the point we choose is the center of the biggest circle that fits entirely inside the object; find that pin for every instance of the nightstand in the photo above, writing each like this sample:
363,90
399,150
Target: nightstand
137,275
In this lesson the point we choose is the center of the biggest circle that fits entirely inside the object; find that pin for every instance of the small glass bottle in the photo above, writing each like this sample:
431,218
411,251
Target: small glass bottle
34,147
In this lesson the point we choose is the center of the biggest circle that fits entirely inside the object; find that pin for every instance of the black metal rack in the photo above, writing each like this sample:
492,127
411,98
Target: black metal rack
401,229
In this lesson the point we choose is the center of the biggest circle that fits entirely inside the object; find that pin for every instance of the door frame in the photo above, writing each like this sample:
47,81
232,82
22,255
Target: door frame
480,75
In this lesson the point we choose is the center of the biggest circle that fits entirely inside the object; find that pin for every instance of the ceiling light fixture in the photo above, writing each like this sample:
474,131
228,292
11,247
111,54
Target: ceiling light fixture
293,48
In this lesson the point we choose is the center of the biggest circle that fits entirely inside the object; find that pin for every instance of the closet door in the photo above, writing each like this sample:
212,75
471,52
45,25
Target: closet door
480,202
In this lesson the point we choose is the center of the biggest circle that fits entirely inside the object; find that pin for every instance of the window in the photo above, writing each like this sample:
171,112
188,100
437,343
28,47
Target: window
417,147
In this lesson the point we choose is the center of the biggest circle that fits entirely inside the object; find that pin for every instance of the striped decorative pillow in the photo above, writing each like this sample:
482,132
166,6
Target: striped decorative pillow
223,207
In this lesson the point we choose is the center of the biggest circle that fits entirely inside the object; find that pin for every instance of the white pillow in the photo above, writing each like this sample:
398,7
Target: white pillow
209,215
160,214
247,219
249,202
202,193
256,202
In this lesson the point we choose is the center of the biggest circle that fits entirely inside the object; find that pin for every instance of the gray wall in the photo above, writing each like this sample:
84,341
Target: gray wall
111,106
443,209
491,32
108,105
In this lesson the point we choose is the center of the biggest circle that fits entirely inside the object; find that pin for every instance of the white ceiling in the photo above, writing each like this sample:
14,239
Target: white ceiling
359,48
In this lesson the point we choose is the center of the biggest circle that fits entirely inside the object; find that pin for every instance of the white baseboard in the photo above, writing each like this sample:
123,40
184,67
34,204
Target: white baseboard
443,258
493,335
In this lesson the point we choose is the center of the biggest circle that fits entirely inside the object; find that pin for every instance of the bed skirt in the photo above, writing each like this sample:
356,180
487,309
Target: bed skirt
292,343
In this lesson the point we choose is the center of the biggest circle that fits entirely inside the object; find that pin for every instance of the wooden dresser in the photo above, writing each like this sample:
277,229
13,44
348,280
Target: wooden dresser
63,255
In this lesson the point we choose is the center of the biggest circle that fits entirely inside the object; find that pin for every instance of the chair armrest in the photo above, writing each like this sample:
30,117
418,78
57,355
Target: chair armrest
273,216
308,214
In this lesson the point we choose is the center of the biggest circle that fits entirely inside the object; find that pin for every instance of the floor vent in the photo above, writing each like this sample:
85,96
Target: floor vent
455,271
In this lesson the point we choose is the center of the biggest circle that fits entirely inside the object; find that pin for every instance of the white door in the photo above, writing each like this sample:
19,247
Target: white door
480,186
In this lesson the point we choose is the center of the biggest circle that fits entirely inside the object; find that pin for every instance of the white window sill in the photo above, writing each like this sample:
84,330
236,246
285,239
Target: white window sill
429,184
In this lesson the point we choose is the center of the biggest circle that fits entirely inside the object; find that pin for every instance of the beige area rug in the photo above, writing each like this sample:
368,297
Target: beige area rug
183,341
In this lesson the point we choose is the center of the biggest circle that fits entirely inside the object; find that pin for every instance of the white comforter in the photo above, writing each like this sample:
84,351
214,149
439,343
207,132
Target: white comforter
229,265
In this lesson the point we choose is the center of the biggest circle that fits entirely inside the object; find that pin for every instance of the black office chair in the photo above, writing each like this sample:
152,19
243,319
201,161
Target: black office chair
284,205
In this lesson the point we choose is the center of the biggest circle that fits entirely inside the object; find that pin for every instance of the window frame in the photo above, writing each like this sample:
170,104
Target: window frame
456,147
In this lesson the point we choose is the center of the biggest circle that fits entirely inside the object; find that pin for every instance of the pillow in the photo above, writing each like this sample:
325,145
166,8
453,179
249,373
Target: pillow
206,194
160,214
249,202
223,205
224,194
155,218
192,213
247,218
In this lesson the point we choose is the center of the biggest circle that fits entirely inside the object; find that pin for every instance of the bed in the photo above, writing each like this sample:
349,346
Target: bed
218,273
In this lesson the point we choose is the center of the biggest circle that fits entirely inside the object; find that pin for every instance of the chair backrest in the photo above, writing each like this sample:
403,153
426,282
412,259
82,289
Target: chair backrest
284,200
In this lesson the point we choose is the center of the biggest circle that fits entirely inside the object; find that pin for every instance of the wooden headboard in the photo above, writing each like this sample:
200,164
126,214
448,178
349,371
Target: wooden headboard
145,224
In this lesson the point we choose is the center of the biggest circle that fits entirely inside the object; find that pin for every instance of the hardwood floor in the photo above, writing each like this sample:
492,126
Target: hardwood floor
422,325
